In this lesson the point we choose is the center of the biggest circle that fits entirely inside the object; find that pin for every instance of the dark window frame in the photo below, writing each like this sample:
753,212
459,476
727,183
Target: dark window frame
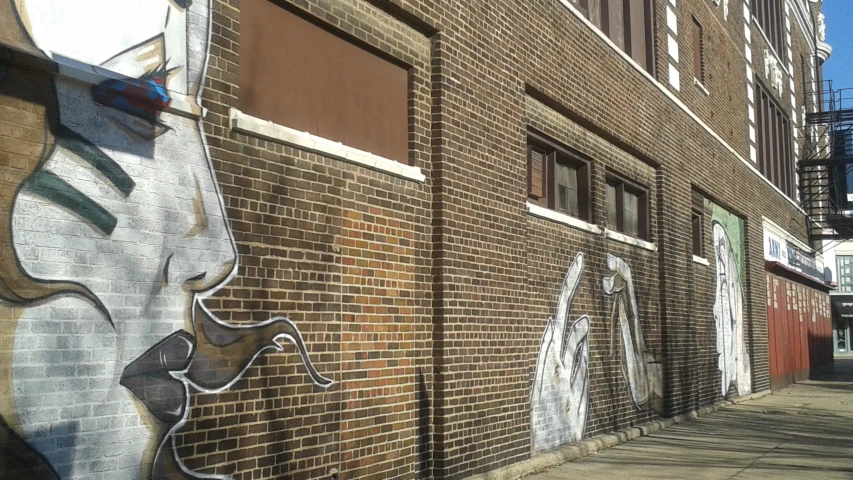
557,153
623,185
774,140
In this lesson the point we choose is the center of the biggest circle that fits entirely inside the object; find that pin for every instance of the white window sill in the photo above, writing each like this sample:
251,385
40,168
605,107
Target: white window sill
701,261
267,130
558,217
701,87
622,238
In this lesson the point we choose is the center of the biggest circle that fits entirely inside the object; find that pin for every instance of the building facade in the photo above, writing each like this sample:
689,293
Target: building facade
393,238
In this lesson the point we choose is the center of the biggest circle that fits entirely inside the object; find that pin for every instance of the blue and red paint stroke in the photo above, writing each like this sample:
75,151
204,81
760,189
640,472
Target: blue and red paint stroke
144,99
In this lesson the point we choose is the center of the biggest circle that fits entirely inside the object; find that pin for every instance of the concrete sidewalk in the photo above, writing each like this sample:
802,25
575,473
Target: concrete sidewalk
802,432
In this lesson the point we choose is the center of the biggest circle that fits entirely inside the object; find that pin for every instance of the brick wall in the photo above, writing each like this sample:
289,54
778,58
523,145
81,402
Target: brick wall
423,303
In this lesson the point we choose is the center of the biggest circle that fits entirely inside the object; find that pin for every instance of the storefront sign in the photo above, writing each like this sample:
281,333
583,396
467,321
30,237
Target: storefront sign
803,262
787,253
773,248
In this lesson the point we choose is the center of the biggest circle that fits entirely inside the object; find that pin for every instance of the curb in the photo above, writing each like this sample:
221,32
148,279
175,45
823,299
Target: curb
595,444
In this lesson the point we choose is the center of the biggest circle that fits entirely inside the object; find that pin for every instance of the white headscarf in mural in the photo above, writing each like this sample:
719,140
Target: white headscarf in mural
560,393
728,317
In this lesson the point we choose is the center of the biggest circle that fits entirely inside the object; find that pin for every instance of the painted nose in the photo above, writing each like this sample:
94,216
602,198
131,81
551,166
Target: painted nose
208,256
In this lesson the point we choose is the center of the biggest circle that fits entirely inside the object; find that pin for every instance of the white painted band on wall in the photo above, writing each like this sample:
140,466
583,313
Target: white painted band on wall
243,123
558,217
622,238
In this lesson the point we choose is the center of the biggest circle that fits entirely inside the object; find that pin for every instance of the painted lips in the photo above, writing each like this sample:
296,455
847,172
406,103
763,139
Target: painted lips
150,380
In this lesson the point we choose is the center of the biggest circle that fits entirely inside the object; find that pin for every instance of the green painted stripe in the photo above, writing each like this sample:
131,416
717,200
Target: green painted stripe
96,157
50,187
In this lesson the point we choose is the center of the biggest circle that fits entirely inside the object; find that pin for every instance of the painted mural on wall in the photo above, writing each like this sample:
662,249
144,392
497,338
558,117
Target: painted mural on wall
560,394
641,367
116,235
733,361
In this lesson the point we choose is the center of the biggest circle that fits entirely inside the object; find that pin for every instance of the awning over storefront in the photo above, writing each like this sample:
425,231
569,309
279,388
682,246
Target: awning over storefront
791,273
842,306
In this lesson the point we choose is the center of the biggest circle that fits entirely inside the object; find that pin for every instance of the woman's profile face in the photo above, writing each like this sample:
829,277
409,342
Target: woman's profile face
123,204
144,226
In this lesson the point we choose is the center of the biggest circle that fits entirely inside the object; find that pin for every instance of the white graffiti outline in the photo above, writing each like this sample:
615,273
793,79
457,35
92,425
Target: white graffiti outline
733,356
560,403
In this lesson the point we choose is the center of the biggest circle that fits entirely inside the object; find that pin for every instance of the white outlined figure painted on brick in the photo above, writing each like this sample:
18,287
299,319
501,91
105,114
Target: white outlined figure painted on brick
728,317
641,367
560,395
116,235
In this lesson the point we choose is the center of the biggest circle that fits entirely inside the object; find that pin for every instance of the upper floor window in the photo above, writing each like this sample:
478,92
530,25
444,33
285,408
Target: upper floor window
774,141
770,18
698,52
844,263
300,75
628,23
697,220
627,207
556,178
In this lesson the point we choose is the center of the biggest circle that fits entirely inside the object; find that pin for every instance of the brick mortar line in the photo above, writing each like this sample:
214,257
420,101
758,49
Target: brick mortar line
598,443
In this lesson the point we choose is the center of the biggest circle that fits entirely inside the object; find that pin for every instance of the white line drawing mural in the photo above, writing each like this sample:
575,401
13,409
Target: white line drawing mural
728,316
560,394
641,367
115,236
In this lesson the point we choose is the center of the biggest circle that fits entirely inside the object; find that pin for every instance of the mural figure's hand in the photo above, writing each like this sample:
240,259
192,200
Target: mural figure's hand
560,392
640,366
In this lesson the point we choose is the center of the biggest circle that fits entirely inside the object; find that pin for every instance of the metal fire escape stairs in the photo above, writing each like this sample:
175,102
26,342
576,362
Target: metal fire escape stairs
826,166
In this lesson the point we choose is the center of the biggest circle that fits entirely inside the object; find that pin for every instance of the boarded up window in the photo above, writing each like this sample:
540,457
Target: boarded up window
770,18
628,23
698,46
774,141
299,75
537,173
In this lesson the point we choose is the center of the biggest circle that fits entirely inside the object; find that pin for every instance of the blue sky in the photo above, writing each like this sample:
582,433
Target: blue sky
839,34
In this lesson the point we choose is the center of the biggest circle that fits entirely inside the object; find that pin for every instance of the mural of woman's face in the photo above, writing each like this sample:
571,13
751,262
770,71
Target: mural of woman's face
125,205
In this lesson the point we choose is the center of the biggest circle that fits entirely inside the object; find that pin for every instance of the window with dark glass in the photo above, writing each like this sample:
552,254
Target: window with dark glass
556,177
628,23
697,219
627,207
698,51
768,14
774,141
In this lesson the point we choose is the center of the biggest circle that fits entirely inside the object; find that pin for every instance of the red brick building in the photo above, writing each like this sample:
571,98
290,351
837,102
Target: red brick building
394,238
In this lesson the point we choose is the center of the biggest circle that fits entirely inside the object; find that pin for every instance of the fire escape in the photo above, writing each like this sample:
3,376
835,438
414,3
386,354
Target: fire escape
826,167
